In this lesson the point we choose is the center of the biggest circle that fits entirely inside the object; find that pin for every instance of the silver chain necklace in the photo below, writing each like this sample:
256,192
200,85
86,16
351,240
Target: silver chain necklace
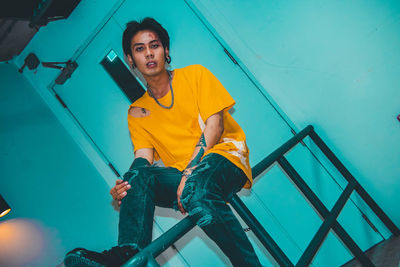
172,92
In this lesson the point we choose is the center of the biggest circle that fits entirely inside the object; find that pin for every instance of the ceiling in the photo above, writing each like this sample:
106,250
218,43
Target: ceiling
14,36
20,20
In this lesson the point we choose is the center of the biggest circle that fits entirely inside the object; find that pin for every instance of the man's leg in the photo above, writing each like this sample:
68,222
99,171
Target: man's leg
150,186
206,191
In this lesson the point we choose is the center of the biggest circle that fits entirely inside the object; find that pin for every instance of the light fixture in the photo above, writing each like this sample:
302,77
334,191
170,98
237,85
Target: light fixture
111,55
4,207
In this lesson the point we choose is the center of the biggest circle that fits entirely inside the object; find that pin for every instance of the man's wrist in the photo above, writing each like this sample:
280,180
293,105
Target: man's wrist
186,172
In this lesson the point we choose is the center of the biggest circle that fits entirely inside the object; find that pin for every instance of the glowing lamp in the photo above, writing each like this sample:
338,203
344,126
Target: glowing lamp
4,208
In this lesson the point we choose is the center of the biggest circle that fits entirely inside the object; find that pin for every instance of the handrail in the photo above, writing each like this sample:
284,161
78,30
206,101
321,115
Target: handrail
280,151
330,222
156,247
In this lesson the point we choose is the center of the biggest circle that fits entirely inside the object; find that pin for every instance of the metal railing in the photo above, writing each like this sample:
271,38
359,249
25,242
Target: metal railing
147,255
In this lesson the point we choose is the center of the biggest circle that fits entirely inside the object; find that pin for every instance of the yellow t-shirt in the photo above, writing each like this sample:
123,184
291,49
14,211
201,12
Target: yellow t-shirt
173,133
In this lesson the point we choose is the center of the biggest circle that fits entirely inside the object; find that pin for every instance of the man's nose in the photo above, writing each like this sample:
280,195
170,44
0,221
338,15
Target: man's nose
149,53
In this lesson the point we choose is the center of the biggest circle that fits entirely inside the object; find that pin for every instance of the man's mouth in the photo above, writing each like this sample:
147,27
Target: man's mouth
151,64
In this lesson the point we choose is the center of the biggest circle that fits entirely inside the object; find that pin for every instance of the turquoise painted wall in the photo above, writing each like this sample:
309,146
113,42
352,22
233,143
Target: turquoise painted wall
59,200
273,200
331,64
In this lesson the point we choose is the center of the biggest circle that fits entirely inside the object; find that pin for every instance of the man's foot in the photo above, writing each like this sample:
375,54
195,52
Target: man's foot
114,257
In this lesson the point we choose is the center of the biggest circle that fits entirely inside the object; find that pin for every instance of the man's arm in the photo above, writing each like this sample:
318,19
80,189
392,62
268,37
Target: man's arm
118,192
211,135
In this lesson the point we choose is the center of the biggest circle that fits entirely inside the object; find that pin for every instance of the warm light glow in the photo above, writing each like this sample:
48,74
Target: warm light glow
22,242
5,212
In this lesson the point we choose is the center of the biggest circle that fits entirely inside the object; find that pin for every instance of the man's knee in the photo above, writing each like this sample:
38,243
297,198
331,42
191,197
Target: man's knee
200,203
138,177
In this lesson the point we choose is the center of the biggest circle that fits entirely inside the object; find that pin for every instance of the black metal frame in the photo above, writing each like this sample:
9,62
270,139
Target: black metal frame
330,217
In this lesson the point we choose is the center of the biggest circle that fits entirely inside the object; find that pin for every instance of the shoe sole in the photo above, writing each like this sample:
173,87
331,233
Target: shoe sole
78,261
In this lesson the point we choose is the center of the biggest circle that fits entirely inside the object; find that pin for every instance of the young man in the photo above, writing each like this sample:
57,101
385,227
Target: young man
183,120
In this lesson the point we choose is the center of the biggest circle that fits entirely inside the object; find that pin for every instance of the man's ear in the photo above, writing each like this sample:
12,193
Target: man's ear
130,60
166,52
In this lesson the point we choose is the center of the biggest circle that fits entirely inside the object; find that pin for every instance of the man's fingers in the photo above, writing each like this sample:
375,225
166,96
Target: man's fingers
120,185
179,193
180,207
119,190
123,189
118,182
113,191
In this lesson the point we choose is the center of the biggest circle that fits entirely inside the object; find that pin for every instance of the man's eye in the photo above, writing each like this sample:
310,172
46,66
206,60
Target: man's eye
155,45
138,49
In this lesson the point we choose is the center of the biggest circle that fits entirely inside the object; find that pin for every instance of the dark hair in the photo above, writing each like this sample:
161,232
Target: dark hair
134,27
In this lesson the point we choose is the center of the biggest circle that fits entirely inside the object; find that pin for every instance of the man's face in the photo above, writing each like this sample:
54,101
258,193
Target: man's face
148,54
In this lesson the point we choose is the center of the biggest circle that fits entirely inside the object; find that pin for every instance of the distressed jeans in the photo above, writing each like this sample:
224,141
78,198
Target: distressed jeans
214,180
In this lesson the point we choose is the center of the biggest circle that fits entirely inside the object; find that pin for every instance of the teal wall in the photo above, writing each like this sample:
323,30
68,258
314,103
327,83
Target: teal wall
282,51
333,64
59,200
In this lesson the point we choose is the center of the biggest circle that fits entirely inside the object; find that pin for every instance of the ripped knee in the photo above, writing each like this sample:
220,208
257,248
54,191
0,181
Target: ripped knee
129,174
187,193
135,173
190,185
195,203
138,112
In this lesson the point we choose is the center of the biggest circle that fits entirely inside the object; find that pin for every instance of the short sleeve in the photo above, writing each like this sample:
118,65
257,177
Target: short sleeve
212,95
139,136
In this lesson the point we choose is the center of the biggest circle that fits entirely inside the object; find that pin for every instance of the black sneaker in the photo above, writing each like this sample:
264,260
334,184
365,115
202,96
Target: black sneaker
114,257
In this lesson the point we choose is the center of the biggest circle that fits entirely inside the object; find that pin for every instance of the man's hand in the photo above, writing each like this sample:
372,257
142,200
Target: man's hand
179,193
118,192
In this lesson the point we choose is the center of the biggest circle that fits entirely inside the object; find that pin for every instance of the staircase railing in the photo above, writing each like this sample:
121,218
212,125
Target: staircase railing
154,249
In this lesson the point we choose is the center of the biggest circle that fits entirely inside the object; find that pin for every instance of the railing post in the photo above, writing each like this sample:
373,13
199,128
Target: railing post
323,231
324,212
